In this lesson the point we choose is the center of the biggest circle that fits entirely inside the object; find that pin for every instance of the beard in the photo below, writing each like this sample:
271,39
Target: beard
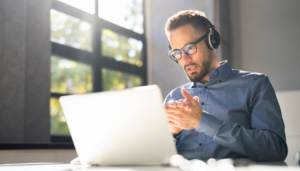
206,64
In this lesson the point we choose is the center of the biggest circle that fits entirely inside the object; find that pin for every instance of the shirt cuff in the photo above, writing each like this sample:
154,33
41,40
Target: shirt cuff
208,124
177,136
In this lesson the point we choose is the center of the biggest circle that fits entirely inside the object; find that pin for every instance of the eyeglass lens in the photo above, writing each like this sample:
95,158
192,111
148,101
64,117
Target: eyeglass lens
189,49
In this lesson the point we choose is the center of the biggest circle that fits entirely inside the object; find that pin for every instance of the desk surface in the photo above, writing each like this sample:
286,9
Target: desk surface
69,167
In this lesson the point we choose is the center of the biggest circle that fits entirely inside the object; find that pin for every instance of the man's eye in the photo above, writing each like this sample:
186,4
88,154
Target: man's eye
188,47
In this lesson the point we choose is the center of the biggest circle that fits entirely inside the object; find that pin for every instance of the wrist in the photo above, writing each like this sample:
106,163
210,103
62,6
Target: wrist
197,120
177,134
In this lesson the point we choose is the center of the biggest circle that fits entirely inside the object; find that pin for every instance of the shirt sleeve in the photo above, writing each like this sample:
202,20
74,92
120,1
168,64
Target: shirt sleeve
265,140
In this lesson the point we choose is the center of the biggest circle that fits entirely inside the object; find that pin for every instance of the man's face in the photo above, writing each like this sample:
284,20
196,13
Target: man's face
196,66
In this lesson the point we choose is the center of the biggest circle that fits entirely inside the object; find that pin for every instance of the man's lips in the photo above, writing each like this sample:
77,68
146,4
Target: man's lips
191,68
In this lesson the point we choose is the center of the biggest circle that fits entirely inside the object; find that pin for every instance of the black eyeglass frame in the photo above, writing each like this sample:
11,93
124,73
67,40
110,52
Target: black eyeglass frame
194,43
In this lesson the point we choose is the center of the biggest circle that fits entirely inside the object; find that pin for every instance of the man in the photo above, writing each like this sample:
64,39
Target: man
221,113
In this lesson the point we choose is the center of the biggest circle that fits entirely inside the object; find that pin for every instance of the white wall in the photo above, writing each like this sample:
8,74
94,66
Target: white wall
267,35
289,101
161,69
265,38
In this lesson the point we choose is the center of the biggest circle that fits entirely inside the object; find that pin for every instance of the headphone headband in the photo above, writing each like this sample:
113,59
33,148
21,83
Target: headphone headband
210,25
212,39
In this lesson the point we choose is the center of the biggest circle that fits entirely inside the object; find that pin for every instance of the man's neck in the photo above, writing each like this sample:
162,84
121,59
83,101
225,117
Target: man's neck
215,64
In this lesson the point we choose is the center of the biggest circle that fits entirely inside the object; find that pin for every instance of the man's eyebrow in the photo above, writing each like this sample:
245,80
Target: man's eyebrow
185,45
192,42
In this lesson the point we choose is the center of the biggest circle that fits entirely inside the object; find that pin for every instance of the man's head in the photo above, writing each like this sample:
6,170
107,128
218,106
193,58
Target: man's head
194,18
185,28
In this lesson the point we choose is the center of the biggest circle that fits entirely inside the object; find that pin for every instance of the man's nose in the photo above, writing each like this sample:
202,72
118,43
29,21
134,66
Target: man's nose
185,57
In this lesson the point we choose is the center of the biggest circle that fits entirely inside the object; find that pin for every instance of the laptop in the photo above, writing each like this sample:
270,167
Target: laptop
122,127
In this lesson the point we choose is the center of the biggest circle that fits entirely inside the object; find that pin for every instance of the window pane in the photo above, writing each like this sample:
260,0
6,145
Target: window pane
125,13
70,31
86,5
58,121
70,77
121,48
116,80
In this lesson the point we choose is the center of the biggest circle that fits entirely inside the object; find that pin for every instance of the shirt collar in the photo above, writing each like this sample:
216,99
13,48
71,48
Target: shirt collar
222,71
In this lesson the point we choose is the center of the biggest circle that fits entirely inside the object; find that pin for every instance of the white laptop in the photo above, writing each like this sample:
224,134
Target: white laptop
123,127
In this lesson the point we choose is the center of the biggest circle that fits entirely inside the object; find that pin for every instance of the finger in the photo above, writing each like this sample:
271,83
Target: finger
181,103
188,105
173,110
176,103
171,115
185,103
174,122
172,104
196,98
187,96
172,118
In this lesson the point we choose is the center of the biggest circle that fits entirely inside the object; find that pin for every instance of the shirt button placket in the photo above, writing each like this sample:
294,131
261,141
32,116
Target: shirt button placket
204,95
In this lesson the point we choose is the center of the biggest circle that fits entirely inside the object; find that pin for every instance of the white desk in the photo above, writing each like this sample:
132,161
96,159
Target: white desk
68,167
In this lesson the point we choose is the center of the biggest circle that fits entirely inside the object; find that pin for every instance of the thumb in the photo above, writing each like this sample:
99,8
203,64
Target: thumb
186,95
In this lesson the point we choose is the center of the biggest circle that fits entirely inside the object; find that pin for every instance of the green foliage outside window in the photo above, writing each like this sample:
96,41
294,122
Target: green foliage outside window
70,77
121,48
116,80
70,31
58,121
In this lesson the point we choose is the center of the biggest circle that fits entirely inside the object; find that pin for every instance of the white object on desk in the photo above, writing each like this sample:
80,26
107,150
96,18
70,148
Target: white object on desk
125,127
76,161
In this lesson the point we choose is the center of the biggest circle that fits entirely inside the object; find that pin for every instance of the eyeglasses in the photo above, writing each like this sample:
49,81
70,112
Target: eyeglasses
189,49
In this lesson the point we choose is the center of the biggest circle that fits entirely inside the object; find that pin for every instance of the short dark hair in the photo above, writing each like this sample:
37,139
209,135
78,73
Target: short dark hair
193,17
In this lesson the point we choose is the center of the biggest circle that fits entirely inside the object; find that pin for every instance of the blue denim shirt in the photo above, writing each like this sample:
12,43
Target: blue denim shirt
241,118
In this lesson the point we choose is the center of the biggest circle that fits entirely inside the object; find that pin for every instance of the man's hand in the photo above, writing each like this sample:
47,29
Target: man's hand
184,114
184,104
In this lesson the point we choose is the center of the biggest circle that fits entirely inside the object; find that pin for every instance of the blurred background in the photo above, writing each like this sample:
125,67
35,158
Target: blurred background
51,48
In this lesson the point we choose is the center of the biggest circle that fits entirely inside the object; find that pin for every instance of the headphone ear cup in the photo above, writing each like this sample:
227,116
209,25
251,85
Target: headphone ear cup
208,41
213,40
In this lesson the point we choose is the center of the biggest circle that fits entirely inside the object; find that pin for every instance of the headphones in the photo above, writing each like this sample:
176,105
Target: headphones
212,38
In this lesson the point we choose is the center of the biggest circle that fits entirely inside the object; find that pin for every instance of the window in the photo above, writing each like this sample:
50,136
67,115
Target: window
93,50
130,13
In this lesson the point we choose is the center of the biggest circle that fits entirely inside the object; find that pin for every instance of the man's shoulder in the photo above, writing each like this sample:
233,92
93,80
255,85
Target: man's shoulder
176,92
185,86
246,75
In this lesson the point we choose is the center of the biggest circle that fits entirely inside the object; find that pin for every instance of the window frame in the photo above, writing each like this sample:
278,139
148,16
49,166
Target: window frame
95,59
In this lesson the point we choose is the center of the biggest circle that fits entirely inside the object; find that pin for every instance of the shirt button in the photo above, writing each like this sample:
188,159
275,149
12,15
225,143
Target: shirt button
202,103
200,144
